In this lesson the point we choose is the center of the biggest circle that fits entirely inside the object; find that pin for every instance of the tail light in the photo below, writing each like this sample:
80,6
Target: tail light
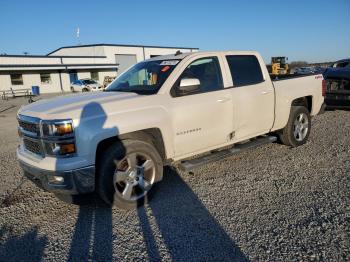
324,84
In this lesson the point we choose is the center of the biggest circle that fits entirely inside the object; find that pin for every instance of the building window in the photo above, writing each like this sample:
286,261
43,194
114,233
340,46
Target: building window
94,76
45,78
16,79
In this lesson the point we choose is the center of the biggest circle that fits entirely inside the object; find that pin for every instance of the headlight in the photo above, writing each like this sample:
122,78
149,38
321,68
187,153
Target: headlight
58,137
59,128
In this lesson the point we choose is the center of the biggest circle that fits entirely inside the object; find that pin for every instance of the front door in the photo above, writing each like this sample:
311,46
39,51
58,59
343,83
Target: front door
204,118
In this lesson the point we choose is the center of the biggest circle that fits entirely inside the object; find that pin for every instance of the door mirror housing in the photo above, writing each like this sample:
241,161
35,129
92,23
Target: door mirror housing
188,85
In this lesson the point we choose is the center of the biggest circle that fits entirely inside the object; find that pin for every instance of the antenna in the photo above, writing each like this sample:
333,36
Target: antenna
78,35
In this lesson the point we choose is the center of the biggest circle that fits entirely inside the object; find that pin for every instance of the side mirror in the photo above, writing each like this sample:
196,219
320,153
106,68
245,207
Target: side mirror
188,85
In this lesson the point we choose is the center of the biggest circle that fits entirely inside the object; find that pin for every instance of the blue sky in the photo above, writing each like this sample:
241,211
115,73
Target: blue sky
302,30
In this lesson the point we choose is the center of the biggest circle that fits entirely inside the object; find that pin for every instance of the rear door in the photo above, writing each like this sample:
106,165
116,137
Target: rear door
253,96
202,119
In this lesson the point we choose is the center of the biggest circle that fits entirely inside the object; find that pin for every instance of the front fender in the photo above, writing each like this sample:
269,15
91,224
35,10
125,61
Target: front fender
94,128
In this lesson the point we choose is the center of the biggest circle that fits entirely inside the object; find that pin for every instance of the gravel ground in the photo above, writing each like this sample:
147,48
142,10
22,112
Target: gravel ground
270,203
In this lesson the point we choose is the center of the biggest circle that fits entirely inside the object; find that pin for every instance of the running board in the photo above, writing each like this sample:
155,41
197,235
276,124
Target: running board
189,165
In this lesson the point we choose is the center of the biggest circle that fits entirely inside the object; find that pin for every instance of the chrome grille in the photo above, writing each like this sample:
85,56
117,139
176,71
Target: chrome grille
29,127
32,146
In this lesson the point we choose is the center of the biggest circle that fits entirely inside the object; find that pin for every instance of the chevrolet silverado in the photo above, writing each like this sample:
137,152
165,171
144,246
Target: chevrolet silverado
191,108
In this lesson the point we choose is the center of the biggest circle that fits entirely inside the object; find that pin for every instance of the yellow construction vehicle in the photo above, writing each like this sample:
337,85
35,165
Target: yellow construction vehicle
279,65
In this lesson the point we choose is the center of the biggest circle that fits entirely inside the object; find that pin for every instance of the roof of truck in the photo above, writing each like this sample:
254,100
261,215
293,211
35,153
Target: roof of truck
209,53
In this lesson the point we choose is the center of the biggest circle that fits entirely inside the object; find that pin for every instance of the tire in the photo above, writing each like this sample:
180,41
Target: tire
126,172
85,90
297,130
72,89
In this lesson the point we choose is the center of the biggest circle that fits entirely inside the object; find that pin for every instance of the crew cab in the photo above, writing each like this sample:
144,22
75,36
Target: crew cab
203,106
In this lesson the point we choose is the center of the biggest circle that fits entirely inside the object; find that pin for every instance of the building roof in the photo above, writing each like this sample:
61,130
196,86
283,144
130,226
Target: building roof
121,45
26,67
52,56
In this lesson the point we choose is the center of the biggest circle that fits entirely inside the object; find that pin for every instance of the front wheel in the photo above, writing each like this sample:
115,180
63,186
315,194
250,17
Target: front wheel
297,130
127,172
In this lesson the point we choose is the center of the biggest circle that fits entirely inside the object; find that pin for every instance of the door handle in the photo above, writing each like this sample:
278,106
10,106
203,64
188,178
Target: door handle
265,92
224,99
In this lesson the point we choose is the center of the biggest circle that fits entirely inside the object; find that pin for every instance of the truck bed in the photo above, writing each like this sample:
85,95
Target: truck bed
290,88
290,76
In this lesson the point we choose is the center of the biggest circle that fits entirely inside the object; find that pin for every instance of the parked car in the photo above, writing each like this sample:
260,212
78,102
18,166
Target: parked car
303,71
192,108
319,70
338,85
85,85
341,63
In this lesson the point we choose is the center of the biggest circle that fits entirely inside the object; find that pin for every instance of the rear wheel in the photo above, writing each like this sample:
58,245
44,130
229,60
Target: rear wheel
298,128
72,89
127,172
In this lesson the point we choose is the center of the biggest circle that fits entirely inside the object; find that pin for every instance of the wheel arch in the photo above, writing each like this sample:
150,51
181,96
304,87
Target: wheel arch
303,101
151,135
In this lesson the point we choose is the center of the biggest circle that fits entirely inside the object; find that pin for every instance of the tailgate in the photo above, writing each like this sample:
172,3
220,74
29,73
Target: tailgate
338,86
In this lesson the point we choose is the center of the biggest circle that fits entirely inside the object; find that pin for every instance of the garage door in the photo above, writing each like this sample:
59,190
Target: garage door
125,61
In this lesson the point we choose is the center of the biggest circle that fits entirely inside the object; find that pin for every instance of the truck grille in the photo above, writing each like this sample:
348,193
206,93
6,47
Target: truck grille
32,146
29,127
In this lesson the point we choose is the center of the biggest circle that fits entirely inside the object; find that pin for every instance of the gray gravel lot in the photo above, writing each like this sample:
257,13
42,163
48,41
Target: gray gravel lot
271,203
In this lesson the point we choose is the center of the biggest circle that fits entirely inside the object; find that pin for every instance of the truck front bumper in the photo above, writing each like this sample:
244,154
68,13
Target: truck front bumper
73,182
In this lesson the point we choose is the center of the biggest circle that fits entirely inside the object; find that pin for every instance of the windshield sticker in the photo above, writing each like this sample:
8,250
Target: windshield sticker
170,62
165,68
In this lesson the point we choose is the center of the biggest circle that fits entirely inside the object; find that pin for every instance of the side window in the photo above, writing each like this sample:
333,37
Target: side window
207,71
245,70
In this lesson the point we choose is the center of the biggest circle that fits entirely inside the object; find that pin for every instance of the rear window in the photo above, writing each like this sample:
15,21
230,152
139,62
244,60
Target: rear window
245,70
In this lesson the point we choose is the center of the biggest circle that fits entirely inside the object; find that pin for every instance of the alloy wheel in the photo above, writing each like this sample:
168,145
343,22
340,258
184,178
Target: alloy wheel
301,127
134,176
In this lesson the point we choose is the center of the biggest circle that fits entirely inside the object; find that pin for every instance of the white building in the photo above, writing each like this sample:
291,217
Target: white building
54,72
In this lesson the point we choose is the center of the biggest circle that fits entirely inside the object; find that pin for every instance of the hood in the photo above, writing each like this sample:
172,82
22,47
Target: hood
71,106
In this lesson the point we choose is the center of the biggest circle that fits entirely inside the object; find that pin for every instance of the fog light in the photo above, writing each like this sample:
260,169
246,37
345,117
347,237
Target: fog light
56,179
67,149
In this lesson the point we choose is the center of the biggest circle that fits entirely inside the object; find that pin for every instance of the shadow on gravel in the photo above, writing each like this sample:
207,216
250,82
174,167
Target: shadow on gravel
189,231
92,238
27,247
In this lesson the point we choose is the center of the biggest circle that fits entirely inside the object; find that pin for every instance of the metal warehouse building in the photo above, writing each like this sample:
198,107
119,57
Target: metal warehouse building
54,72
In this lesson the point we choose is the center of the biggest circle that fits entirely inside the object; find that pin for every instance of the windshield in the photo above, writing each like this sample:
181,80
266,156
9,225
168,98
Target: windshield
145,77
89,82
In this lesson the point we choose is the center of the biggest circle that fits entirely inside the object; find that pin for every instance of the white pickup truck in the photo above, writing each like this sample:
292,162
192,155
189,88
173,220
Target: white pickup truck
163,110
